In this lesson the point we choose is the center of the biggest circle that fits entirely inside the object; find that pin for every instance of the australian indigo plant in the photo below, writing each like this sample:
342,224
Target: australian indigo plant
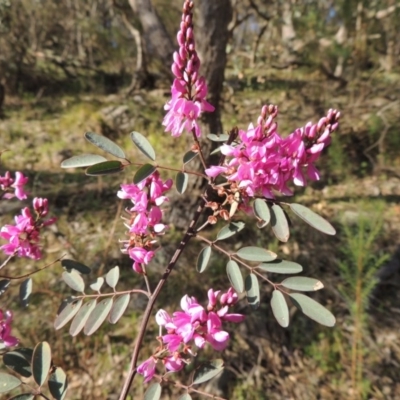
256,165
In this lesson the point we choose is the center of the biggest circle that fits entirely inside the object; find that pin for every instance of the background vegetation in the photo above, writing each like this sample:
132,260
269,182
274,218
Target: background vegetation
71,66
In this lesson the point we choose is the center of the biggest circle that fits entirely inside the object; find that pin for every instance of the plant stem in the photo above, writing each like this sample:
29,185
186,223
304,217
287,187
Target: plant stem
186,238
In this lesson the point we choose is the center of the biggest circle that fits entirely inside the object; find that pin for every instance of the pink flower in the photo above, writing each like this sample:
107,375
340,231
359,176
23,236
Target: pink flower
6,340
18,184
147,369
188,89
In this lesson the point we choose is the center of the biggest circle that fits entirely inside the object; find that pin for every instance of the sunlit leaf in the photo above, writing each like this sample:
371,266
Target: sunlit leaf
105,168
58,383
96,286
313,219
81,317
67,313
185,396
203,259
181,182
143,172
4,284
281,267
189,156
208,371
153,392
74,280
19,361
218,138
302,283
235,276
230,230
252,288
98,316
8,382
279,222
41,362
312,309
25,291
261,210
112,277
72,264
143,145
280,308
105,144
83,160
119,307
252,253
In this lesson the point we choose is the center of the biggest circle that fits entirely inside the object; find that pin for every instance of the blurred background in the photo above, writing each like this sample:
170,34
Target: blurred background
71,66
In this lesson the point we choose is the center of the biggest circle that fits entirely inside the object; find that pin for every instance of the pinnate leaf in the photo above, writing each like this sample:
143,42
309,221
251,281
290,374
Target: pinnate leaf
41,362
83,160
203,259
153,392
252,253
4,284
105,144
19,361
181,182
58,383
143,145
218,138
74,280
112,277
70,309
312,309
235,276
252,288
96,286
119,307
280,308
98,316
143,173
189,156
302,283
313,219
8,382
81,317
208,371
279,222
229,230
72,264
261,210
281,267
105,168
25,291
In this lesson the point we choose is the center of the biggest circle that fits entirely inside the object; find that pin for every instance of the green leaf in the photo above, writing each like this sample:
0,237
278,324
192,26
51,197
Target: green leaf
280,308
119,307
4,284
19,361
208,371
235,276
41,362
25,291
279,223
230,230
68,312
313,219
203,259
105,144
74,280
71,264
81,317
252,290
302,284
105,168
23,396
58,383
143,145
112,277
218,138
189,156
252,253
312,309
84,160
98,316
143,172
181,182
96,286
153,392
8,382
281,267
261,210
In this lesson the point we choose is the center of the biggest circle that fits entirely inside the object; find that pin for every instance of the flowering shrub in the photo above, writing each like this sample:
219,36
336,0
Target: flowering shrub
256,166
